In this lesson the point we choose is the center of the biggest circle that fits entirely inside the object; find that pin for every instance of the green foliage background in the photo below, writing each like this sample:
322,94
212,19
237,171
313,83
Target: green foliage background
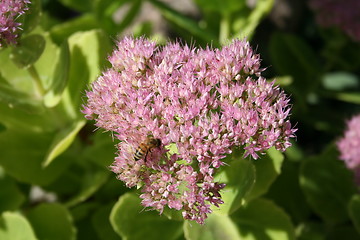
47,146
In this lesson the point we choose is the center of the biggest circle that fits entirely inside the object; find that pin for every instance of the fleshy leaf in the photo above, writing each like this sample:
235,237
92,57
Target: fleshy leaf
91,183
286,192
239,177
101,223
52,221
340,81
245,26
215,227
128,216
29,50
22,155
267,169
184,22
88,52
15,227
32,17
225,7
354,211
262,219
327,195
62,141
10,195
291,55
60,77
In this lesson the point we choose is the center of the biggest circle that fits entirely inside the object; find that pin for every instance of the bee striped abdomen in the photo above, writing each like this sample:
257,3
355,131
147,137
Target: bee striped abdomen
140,151
145,147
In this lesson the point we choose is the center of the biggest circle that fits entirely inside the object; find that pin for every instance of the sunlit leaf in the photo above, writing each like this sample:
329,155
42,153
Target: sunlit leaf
127,217
60,32
215,227
60,77
62,140
262,219
239,178
15,227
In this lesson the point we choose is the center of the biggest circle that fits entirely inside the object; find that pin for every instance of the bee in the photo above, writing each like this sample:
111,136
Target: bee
145,147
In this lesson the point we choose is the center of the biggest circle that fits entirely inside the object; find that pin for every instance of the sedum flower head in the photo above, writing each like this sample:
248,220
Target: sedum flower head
349,145
200,103
337,13
10,10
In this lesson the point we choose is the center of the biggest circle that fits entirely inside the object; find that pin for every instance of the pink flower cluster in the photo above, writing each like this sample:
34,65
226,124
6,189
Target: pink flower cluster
201,103
338,13
349,146
10,10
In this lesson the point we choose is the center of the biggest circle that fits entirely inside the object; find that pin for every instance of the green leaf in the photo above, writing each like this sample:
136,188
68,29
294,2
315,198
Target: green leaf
29,50
18,99
101,151
14,77
246,25
88,51
60,77
262,219
101,223
52,221
327,185
32,16
354,211
11,197
340,81
184,22
286,192
62,140
22,155
127,217
104,11
215,227
83,216
78,5
222,6
15,227
130,15
60,32
90,184
44,68
239,177
311,230
349,97
267,169
290,55
342,232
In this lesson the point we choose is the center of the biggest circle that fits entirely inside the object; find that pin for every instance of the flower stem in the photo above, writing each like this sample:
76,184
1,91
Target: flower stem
38,84
224,28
